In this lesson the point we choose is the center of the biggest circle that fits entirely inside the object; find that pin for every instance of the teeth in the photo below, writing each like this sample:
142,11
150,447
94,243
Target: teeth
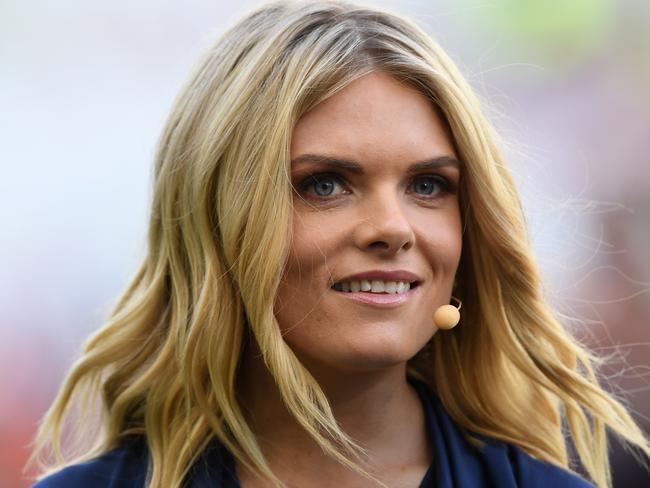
374,286
378,286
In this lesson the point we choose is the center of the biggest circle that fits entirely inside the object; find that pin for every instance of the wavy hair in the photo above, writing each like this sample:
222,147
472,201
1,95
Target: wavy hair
165,363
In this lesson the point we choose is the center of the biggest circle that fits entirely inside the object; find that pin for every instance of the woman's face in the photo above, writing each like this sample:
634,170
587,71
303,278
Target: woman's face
375,177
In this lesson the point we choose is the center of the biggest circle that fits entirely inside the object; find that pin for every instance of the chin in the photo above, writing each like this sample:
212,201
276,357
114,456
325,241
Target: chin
368,356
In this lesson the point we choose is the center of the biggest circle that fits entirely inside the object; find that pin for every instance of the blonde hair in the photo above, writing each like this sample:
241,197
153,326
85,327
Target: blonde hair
165,363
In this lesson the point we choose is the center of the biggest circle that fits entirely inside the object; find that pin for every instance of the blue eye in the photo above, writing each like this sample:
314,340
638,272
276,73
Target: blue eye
426,185
433,186
323,184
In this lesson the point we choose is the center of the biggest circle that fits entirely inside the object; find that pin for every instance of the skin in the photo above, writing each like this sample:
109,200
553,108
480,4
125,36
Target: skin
384,219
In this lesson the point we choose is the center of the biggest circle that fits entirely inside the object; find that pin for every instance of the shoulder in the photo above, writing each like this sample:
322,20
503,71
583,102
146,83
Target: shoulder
124,467
533,473
127,467
496,463
509,465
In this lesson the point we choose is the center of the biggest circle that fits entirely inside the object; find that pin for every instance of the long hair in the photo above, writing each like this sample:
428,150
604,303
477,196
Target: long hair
165,363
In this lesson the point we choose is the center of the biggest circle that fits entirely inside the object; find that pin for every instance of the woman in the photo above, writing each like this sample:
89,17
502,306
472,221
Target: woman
327,194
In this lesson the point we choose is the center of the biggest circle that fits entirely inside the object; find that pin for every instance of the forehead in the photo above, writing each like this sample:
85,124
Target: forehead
375,120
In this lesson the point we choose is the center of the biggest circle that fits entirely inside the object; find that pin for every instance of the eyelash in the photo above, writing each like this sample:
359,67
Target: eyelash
307,182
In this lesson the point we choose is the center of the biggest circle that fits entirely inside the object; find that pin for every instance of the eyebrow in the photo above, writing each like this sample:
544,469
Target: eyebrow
354,167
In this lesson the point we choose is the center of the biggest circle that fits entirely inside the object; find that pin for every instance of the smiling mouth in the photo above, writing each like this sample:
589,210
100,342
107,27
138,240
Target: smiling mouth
385,288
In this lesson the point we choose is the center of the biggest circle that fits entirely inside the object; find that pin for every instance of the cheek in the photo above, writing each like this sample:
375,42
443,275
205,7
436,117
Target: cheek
317,236
308,253
307,273
442,240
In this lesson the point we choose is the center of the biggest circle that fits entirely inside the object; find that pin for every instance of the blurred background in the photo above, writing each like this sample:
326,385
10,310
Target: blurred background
84,91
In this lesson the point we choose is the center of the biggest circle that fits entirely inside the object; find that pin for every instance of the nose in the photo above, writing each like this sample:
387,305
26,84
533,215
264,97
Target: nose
383,226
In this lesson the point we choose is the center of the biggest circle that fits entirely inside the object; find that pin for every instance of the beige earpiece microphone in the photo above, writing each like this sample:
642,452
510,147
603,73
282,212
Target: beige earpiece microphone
447,316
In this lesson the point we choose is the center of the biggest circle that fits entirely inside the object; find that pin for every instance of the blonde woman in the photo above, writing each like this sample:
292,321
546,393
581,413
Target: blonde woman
338,290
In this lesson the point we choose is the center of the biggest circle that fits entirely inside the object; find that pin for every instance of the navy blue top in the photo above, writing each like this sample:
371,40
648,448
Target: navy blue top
456,463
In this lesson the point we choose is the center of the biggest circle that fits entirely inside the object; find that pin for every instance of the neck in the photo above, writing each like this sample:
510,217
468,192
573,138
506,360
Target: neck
379,409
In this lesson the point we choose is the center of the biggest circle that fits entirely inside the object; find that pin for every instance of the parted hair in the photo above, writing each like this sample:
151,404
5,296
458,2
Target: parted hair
165,363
